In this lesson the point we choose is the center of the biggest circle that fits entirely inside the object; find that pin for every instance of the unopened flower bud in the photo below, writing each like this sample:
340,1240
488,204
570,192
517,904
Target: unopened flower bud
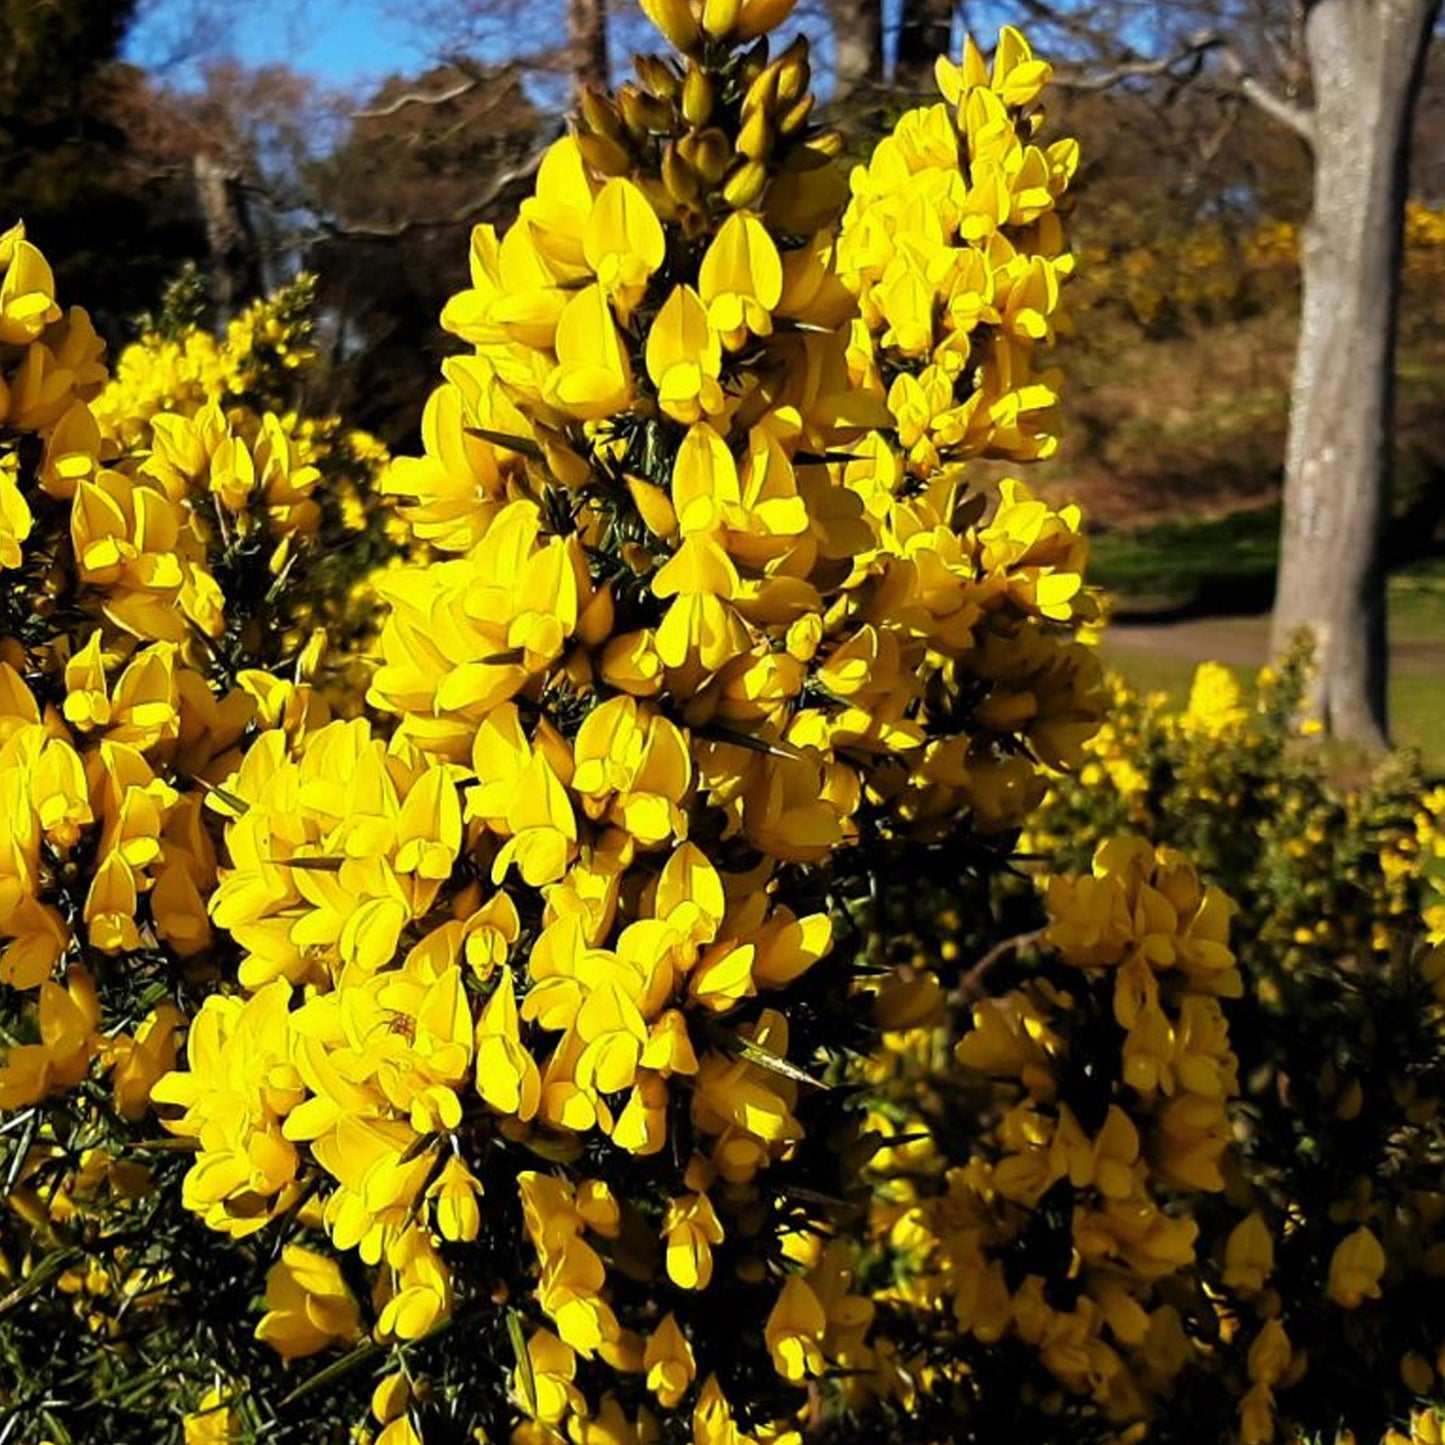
755,138
697,97
658,77
604,155
744,188
708,153
719,18
678,177
796,116
601,115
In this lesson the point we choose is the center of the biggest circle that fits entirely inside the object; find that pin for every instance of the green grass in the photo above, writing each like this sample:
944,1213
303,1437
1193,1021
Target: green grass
1416,700
1225,565
1210,568
1417,604
1164,672
1206,563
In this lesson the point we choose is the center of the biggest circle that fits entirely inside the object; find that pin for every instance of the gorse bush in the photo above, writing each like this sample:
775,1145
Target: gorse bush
585,1001
148,612
1199,273
1337,1132
1322,869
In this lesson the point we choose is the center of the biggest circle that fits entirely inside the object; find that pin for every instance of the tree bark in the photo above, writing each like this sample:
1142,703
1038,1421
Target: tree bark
587,43
925,31
230,237
857,45
1366,60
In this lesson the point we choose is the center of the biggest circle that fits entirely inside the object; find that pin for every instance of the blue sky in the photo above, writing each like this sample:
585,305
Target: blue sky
342,42
353,44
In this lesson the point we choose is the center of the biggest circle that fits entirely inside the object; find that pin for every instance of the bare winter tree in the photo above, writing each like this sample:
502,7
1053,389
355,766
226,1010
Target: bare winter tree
587,42
857,45
1366,58
1344,76
925,31
561,45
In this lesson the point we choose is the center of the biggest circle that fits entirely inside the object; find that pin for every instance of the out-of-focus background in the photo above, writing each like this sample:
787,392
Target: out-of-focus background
362,139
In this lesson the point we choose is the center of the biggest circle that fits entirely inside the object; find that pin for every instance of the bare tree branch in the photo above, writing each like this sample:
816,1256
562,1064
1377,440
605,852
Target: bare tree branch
970,986
1275,106
1181,68
1211,145
471,208
416,97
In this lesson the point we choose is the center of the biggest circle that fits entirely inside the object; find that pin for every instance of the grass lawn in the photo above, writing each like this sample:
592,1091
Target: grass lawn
1190,591
1202,564
1417,697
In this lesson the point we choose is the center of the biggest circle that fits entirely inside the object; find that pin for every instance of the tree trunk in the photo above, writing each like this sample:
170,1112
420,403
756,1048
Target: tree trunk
230,237
587,43
857,45
1366,59
925,31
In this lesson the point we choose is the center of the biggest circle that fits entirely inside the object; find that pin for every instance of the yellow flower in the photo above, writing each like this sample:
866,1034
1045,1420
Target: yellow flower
15,516
308,1306
546,1391
60,794
137,1063
418,1293
623,244
238,1088
1356,1266
712,1418
68,1019
27,290
507,1075
758,17
213,1421
669,1362
593,376
1249,1255
1215,706
741,280
455,1193
633,769
690,1228
684,359
795,1330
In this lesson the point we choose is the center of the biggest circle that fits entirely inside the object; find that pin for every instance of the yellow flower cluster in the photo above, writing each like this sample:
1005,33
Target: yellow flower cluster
787,573
250,375
1319,868
1428,858
127,679
955,250
1276,243
713,607
1094,1150
1166,269
593,996
1337,883
243,389
1116,1249
143,566
187,370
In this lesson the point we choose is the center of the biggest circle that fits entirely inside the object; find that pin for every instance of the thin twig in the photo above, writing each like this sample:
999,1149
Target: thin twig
416,97
970,986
